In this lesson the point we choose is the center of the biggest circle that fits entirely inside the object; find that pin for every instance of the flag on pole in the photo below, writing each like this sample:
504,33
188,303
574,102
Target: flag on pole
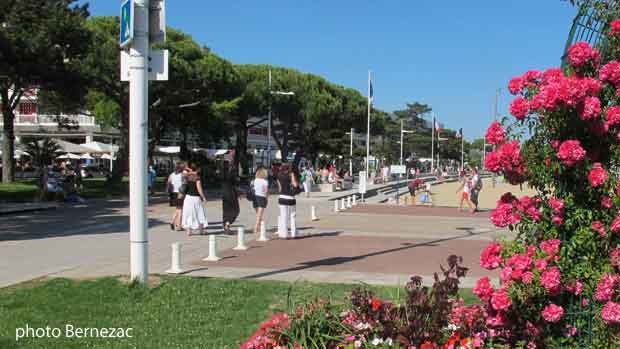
370,94
460,133
438,126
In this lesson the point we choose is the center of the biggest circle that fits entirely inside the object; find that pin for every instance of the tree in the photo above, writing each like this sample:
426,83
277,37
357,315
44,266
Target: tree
41,42
42,152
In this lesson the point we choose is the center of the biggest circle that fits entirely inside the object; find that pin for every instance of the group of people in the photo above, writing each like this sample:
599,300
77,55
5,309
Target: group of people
187,196
471,184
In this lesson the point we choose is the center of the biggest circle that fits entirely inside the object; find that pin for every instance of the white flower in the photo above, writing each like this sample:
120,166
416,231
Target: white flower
388,342
362,326
452,327
377,341
358,344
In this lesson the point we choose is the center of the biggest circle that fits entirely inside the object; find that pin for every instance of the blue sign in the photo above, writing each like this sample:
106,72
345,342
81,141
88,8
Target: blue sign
126,23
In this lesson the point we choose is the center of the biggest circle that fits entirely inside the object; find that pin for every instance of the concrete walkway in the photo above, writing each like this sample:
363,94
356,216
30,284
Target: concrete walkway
375,245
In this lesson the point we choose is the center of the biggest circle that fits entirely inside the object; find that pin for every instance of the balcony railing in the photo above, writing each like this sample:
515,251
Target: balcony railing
51,120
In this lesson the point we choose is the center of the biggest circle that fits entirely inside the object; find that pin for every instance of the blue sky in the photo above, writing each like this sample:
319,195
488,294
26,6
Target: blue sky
452,55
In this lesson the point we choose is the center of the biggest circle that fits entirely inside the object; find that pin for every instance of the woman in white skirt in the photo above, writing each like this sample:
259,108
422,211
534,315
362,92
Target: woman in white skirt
194,212
287,187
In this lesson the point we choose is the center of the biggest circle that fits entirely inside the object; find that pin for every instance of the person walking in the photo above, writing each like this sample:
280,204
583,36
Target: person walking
175,196
465,196
151,175
476,186
307,180
261,193
194,212
230,198
288,187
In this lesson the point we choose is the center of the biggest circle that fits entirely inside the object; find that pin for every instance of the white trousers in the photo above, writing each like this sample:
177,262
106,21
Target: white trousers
287,218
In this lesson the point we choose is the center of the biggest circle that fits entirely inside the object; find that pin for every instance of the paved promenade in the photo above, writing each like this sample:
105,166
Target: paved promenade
376,244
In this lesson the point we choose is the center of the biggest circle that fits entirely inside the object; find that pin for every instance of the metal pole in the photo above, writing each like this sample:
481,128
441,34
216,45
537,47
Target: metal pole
351,154
401,141
269,126
138,135
433,145
495,119
368,132
462,152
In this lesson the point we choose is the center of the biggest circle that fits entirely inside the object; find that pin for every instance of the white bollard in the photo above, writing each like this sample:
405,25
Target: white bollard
293,225
343,205
175,264
354,200
336,205
314,217
349,204
263,232
282,228
240,240
212,257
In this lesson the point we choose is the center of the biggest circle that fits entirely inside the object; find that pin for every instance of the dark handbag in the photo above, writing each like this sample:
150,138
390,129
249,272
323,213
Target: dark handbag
182,190
250,194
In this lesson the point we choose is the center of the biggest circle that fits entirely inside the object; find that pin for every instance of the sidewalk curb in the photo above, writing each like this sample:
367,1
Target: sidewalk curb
9,211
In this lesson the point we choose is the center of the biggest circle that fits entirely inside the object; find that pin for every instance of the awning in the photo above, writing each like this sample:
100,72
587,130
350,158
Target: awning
68,147
107,157
86,157
168,150
69,156
99,147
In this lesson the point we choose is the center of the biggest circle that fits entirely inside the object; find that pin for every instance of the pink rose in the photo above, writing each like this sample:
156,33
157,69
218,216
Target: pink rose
570,152
527,277
541,264
591,109
557,219
495,134
550,247
483,289
520,107
581,54
605,287
614,27
550,279
515,86
614,257
503,215
490,257
597,175
611,313
553,313
615,225
599,227
606,202
612,117
500,300
556,204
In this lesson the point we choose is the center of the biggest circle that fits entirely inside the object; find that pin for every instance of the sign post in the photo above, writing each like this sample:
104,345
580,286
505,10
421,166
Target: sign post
134,34
362,186
398,170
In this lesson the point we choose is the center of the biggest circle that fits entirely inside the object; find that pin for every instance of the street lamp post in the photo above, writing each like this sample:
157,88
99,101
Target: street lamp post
402,132
282,93
351,152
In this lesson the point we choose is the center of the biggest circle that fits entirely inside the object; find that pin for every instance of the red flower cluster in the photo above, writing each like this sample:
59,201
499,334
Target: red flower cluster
610,73
612,118
597,176
484,290
611,313
590,109
490,257
605,288
266,336
495,134
581,54
507,159
550,279
553,313
520,107
614,27
570,152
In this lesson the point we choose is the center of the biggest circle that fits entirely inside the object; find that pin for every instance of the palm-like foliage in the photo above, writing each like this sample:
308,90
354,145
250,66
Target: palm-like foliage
42,152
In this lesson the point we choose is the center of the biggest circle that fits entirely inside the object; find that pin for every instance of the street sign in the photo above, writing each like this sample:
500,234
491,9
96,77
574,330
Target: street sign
158,65
157,22
398,169
126,36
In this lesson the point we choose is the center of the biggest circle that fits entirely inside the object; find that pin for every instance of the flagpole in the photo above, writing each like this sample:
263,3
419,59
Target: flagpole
433,145
462,149
368,132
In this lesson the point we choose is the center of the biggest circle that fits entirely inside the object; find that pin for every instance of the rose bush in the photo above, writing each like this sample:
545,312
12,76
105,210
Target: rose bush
560,278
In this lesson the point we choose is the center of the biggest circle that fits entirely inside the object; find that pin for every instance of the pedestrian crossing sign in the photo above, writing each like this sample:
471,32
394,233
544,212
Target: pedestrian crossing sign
126,32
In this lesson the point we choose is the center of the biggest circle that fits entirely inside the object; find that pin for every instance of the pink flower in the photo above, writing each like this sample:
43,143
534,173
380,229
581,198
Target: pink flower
578,288
483,289
614,257
591,109
610,72
606,202
500,300
490,257
550,279
612,117
503,215
557,219
597,175
605,287
599,227
570,152
552,76
553,313
615,225
570,331
495,133
492,162
520,107
541,264
550,247
515,86
614,27
556,204
527,277
611,313
581,54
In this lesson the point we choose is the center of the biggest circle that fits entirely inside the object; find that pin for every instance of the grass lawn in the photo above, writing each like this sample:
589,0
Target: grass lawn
179,312
18,191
